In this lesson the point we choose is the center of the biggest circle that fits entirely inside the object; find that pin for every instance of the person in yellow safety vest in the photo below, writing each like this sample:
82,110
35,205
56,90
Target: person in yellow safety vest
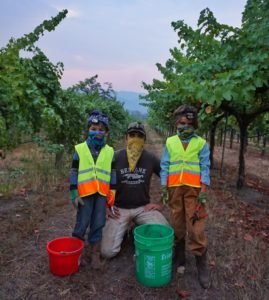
185,171
90,184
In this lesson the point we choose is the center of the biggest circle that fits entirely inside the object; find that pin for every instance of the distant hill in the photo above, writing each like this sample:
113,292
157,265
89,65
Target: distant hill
131,102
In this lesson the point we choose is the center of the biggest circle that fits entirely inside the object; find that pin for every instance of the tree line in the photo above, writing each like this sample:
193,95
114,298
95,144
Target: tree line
34,106
221,70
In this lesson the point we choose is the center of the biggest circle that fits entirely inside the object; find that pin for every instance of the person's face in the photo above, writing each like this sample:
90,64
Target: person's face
183,121
136,134
98,127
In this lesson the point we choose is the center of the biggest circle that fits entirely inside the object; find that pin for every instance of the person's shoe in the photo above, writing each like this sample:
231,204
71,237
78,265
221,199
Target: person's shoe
96,263
203,273
85,257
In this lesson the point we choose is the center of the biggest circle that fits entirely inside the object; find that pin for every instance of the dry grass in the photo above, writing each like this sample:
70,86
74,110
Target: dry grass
28,168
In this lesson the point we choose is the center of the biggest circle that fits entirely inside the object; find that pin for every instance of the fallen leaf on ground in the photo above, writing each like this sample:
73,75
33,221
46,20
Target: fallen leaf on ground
252,277
212,263
23,192
183,293
248,237
239,284
64,292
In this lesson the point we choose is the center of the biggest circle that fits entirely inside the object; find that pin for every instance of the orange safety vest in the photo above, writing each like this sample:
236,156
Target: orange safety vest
184,167
94,177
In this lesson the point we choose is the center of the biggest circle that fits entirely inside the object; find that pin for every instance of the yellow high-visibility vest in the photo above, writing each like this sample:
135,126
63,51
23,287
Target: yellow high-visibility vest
94,177
184,168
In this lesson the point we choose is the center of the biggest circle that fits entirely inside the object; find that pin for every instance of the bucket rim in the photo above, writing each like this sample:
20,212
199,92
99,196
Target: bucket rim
62,253
171,233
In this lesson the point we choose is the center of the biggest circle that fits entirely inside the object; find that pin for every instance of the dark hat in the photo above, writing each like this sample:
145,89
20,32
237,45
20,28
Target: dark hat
98,117
188,111
136,127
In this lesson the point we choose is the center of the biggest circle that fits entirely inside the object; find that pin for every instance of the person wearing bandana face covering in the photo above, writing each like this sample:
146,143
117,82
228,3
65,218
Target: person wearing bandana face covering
90,184
132,170
184,179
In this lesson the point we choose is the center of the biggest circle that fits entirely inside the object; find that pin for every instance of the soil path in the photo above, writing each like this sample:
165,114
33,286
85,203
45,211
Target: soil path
238,234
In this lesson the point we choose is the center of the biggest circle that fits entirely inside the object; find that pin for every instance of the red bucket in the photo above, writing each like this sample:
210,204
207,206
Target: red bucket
64,255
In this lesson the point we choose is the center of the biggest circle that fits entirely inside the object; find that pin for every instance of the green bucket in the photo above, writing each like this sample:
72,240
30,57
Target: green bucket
153,254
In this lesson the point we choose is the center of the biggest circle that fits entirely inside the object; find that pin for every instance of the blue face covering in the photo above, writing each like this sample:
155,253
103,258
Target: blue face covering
97,137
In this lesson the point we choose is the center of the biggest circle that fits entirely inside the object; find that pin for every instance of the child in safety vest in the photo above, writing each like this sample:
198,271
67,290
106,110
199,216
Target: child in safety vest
90,184
185,168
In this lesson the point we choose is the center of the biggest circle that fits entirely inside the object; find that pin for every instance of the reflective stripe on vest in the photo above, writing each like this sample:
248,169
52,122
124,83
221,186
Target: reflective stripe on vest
93,178
184,168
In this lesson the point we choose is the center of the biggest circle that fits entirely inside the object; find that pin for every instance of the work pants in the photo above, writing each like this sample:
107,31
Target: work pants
91,218
115,229
182,203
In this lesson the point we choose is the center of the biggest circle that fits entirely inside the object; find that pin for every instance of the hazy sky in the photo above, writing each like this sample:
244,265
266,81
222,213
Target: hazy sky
120,40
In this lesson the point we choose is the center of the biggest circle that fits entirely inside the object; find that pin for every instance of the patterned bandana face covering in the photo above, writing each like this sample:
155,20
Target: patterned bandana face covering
96,134
185,131
134,149
97,137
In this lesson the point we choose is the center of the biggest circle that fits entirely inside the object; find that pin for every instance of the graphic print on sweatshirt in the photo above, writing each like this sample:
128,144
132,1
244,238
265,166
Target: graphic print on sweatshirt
136,177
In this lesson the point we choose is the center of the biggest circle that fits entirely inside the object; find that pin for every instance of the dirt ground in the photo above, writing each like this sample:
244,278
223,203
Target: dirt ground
237,229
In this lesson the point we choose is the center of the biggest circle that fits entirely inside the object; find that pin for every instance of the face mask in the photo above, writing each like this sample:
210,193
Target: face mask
135,147
97,137
185,131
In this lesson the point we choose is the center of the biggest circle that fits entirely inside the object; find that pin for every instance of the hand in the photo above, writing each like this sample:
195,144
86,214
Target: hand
75,199
153,206
164,194
112,212
202,198
110,198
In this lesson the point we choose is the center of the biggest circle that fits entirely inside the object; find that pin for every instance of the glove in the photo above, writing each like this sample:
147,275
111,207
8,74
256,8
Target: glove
202,197
75,199
110,199
164,194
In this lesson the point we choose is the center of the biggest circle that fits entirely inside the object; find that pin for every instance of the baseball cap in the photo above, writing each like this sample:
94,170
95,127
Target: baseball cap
136,127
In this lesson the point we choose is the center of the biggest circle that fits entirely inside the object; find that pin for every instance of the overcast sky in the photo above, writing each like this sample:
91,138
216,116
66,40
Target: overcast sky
120,40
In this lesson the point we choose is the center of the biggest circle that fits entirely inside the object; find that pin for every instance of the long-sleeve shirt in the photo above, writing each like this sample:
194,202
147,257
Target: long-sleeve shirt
203,160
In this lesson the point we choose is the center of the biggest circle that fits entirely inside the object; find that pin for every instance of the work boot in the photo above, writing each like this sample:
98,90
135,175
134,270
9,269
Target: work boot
203,274
85,258
180,257
96,263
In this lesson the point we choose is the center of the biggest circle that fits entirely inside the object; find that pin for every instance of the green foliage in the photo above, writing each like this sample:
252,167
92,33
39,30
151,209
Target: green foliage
219,66
92,96
32,101
22,100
